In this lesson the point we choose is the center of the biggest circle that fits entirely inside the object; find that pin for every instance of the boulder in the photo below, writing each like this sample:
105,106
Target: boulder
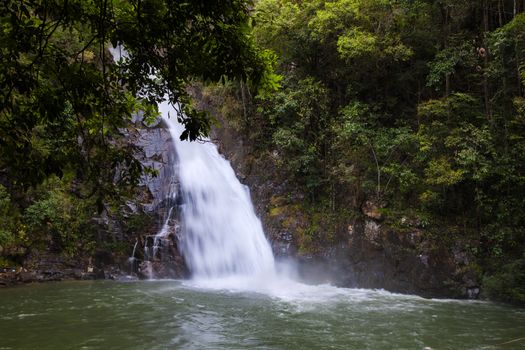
371,210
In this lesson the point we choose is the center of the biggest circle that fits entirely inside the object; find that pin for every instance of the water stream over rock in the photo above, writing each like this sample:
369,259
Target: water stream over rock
222,236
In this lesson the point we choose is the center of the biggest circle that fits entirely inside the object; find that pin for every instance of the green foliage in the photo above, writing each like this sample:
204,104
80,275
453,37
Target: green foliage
508,285
63,102
58,218
440,172
356,43
450,60
363,29
376,155
297,119
416,104
507,44
7,218
455,146
276,24
269,81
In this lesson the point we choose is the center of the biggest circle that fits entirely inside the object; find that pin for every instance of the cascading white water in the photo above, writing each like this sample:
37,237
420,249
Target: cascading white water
165,227
150,252
222,235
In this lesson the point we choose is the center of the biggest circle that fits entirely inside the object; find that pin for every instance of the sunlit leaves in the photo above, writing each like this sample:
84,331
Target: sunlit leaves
447,61
356,43
276,22
335,17
440,172
269,82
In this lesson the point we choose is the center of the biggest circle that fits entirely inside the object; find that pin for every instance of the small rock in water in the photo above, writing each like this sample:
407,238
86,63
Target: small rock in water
473,292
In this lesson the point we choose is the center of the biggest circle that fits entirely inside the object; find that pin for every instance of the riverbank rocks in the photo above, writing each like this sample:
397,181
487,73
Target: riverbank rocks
7,277
162,258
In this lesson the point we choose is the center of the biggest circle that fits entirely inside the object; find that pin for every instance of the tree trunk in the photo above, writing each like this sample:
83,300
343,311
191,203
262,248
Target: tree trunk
500,13
243,97
488,111
447,85
518,68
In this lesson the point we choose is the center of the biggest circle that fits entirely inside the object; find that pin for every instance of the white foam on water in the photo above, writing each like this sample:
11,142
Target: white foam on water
283,288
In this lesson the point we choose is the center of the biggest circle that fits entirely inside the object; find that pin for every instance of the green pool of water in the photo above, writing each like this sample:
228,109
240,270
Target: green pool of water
182,315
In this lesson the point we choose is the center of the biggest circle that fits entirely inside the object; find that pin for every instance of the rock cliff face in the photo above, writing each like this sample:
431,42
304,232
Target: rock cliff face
148,256
125,233
157,154
152,256
363,251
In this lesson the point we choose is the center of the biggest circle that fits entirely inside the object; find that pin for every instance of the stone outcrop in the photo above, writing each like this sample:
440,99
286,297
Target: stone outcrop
157,155
157,257
162,257
379,256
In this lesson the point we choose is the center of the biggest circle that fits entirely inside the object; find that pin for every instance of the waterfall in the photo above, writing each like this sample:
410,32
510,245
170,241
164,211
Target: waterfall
132,260
222,236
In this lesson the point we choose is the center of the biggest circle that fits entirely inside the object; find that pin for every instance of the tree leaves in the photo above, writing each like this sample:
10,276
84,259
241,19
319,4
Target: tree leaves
64,100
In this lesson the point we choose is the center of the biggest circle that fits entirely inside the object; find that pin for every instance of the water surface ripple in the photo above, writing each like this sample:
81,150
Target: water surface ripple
189,315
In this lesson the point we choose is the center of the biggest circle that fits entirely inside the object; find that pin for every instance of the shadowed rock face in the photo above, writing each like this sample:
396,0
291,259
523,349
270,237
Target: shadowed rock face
155,196
376,256
158,155
159,257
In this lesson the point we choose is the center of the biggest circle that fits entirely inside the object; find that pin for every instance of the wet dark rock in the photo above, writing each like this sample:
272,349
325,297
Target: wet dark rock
162,269
154,198
7,278
157,154
372,234
423,259
162,257
283,249
133,208
27,276
473,292
89,276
